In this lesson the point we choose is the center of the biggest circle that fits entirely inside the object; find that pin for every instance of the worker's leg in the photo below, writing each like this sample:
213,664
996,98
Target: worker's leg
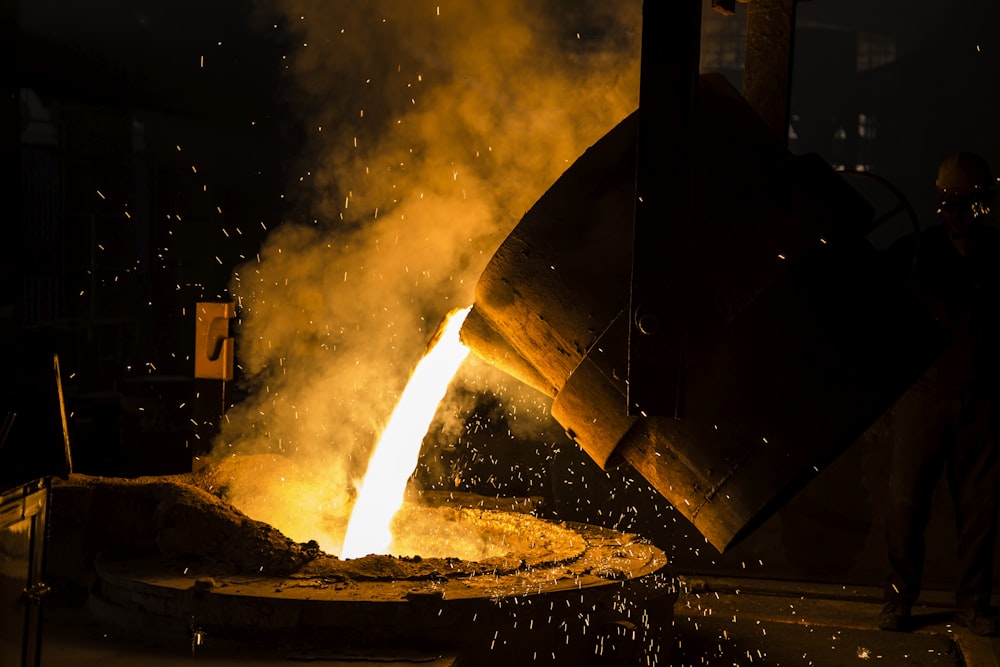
917,460
974,478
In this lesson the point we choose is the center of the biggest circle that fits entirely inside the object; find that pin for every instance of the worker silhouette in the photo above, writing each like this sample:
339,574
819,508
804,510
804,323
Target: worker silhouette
946,422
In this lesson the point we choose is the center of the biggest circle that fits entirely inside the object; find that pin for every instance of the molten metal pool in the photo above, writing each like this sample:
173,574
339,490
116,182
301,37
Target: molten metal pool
547,592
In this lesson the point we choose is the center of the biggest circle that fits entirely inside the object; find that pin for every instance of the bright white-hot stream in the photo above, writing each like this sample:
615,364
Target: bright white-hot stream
395,457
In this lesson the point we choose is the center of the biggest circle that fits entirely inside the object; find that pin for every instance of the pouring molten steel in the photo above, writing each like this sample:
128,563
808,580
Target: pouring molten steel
395,457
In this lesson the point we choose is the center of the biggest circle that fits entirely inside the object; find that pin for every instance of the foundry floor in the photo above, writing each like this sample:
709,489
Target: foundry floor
766,622
716,622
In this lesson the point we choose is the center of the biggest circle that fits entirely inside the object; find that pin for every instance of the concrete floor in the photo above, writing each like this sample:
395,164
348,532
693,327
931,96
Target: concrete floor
766,622
716,622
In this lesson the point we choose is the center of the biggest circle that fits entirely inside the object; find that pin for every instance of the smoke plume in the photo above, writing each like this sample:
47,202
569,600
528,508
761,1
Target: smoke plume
428,129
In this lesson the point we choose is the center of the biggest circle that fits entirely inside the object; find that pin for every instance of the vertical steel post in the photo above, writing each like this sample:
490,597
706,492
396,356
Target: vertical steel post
671,40
767,67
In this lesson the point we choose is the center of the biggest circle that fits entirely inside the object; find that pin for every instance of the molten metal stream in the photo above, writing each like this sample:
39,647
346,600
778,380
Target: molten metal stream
395,456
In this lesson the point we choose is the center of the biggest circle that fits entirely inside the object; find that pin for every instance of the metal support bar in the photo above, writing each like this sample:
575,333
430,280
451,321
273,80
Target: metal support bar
671,39
767,70
67,462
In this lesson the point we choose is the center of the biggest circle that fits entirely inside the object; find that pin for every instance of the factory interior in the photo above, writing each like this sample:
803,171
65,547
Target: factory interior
659,240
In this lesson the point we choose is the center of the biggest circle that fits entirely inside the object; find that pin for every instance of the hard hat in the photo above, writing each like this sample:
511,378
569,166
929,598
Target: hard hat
964,175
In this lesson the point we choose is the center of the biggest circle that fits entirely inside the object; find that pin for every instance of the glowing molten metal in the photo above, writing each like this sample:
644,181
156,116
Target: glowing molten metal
395,456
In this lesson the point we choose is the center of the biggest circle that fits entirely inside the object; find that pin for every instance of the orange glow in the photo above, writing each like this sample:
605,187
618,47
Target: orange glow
395,455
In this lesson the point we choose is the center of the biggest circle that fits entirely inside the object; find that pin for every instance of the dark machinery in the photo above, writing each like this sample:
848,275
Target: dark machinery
23,515
699,302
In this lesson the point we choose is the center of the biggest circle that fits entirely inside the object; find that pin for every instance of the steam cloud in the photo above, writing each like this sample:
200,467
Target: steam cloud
431,127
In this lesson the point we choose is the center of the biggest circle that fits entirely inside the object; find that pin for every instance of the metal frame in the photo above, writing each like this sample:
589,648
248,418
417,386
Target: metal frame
671,40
